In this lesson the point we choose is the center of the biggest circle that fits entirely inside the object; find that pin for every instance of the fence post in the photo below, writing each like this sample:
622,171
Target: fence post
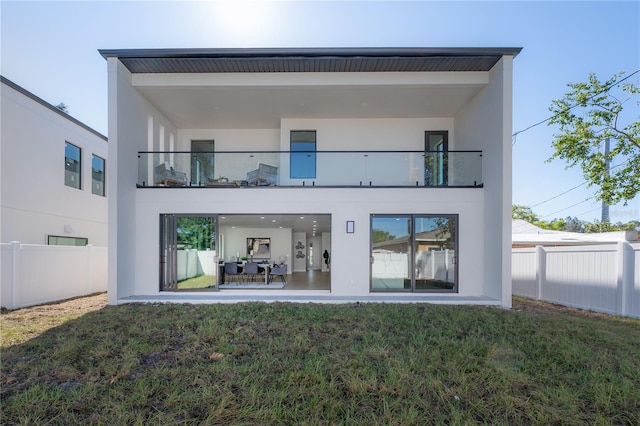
15,271
624,277
541,270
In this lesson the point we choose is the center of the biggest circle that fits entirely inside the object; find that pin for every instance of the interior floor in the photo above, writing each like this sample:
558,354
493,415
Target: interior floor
310,280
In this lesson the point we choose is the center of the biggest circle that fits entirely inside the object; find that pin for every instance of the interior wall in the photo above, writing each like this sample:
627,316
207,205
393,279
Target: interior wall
235,240
299,250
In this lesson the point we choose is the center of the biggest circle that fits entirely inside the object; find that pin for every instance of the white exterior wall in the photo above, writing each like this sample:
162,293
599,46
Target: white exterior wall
350,253
485,123
35,202
484,227
130,117
389,134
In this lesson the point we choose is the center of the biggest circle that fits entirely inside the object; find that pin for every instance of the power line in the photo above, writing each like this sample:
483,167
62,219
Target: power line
573,106
575,187
566,208
562,193
589,211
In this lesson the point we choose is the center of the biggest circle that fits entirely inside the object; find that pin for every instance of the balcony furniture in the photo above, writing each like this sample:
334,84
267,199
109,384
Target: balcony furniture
278,271
264,175
164,176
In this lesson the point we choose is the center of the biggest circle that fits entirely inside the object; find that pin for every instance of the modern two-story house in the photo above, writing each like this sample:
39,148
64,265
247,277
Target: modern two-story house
347,174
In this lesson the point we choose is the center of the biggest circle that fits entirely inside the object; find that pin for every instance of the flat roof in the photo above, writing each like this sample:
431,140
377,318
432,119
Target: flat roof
261,60
46,104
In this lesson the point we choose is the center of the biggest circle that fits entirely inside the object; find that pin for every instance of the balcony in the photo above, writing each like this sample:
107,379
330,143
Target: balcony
237,169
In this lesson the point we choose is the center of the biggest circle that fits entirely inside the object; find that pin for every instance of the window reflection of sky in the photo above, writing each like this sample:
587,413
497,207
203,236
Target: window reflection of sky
399,226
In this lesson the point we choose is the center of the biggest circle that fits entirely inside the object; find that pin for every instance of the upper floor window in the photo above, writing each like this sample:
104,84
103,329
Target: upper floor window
303,154
97,175
72,166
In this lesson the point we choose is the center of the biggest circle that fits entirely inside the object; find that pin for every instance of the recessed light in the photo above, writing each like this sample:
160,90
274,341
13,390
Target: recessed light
273,220
223,217
261,217
301,217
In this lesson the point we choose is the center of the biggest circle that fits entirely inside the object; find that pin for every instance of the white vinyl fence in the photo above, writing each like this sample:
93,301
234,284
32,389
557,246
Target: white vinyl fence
603,278
192,263
32,274
433,264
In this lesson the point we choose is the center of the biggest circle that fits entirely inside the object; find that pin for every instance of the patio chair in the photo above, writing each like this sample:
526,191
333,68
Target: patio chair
167,176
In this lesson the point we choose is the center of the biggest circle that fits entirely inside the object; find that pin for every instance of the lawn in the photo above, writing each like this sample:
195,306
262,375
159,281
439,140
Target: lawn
367,364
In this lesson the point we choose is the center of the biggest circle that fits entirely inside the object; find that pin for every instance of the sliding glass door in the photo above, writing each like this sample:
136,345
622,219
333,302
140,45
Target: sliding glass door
391,253
414,253
188,255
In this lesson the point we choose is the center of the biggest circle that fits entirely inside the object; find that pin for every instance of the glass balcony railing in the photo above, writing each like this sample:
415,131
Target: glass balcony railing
319,168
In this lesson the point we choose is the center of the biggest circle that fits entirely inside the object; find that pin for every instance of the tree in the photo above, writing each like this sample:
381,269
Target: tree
524,213
573,224
589,114
379,235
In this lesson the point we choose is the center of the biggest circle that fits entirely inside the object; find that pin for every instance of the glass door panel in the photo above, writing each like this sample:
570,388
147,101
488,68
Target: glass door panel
188,256
202,162
436,149
435,260
168,278
391,250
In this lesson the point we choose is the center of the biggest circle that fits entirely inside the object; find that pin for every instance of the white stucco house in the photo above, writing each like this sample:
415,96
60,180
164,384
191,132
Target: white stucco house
53,172
350,174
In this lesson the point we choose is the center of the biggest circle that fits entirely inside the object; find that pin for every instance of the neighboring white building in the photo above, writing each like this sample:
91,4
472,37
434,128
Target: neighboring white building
525,234
395,161
53,171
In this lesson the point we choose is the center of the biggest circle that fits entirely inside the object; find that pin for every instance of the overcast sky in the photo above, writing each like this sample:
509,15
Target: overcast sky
51,49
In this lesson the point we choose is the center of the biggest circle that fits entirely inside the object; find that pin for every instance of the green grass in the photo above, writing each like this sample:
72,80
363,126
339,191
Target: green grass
364,364
201,281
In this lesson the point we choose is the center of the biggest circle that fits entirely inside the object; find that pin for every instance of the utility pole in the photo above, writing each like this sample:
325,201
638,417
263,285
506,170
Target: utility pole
605,207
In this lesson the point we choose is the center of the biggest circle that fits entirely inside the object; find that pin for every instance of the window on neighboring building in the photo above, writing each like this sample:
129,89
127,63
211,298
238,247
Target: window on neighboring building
97,175
303,154
72,165
55,240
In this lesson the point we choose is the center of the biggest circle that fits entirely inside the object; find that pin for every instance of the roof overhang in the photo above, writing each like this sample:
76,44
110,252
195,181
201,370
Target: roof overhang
141,61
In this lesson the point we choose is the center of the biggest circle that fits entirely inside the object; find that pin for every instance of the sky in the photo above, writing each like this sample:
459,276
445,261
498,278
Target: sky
50,48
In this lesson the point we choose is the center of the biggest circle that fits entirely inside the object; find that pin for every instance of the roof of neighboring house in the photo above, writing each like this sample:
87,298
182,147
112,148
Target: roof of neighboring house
407,59
46,104
524,233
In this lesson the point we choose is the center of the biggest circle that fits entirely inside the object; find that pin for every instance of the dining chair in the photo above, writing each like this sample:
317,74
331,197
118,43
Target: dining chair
231,270
251,270
278,271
